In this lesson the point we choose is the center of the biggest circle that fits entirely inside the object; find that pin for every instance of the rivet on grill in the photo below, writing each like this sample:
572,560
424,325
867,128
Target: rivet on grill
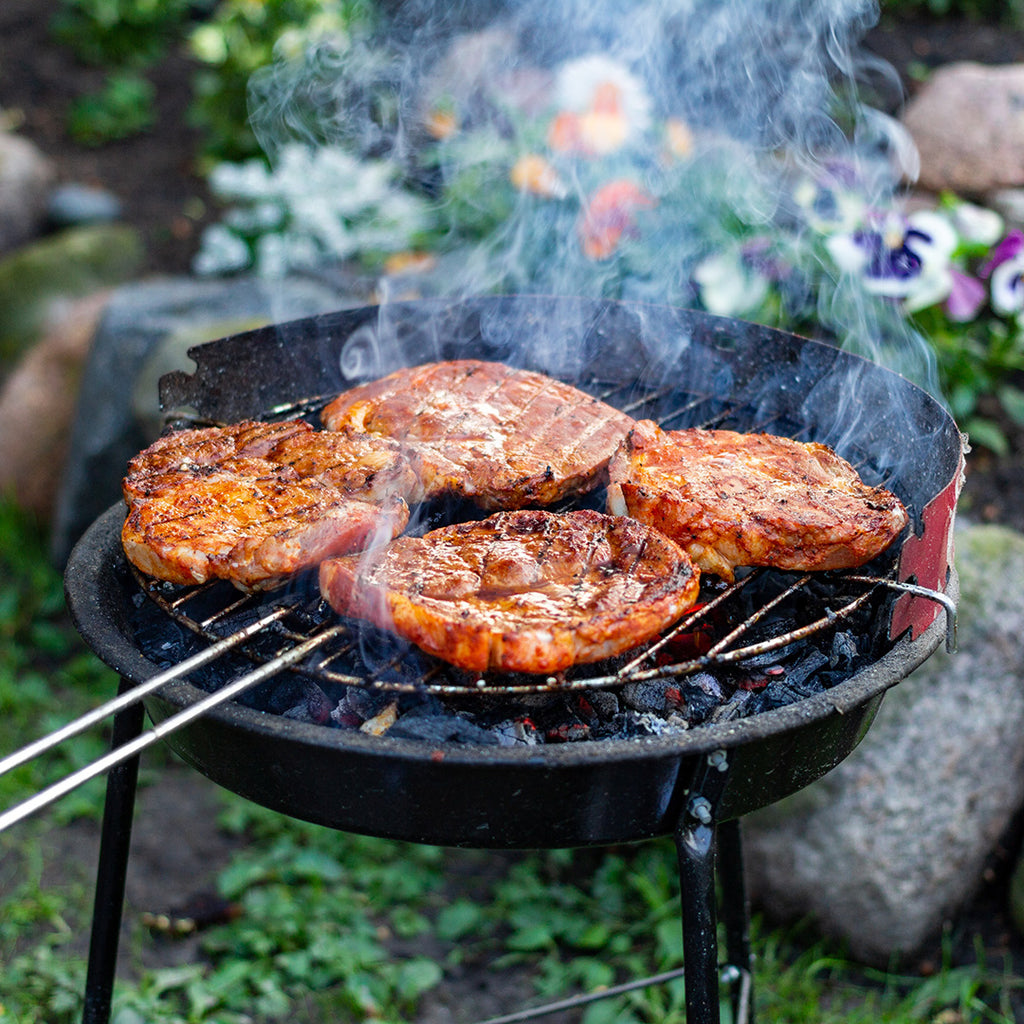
700,808
718,760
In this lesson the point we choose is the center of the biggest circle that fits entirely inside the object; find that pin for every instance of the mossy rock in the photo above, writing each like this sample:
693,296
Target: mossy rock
64,266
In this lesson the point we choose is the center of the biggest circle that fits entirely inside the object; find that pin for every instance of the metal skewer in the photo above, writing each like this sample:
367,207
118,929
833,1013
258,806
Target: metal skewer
124,700
165,728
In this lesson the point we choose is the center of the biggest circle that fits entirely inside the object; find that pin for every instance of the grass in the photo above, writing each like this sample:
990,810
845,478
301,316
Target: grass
327,926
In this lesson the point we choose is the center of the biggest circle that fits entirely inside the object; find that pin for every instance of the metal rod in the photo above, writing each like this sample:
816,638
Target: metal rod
112,868
570,1003
165,728
933,595
136,693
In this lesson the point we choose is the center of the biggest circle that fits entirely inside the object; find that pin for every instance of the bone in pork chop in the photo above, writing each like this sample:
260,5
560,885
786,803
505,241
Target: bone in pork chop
254,503
734,499
520,591
504,438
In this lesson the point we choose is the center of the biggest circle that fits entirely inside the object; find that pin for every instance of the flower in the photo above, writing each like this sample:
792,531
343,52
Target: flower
1003,269
608,215
976,225
1007,286
900,258
966,297
532,173
601,107
730,284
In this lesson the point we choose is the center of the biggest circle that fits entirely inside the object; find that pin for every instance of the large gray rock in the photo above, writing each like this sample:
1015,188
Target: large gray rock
968,124
26,177
895,839
145,331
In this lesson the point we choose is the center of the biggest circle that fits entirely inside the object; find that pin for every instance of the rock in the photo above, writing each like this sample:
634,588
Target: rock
895,839
968,125
26,177
57,270
145,331
37,405
73,205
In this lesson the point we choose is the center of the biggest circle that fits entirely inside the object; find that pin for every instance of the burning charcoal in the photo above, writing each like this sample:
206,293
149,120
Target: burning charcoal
605,704
648,695
442,729
367,702
732,709
517,732
702,693
568,732
299,699
844,651
797,682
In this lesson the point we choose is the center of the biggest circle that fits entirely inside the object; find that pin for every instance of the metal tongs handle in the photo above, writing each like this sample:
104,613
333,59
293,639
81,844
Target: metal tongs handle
161,730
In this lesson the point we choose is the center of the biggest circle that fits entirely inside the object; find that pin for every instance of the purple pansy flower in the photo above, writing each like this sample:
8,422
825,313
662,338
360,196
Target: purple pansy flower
900,258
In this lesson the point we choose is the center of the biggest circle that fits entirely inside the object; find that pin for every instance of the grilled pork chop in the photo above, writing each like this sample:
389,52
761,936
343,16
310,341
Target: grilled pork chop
254,503
735,499
502,437
521,591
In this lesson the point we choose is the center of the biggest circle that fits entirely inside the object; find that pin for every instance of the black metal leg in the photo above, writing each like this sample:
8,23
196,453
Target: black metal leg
738,972
695,842
700,842
112,869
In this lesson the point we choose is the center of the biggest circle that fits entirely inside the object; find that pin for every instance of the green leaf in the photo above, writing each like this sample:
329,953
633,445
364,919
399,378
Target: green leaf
458,919
1012,400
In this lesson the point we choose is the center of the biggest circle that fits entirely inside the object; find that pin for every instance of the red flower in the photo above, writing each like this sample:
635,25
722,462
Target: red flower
608,215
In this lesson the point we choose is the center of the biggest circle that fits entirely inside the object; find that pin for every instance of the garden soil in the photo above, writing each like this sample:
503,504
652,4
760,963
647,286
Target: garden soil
154,177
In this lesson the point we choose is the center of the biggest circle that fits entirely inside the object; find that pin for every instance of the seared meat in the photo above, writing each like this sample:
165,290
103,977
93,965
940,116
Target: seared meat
502,437
364,466
521,591
752,499
254,503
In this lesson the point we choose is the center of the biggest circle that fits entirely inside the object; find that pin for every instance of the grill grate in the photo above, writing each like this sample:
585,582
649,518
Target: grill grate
360,655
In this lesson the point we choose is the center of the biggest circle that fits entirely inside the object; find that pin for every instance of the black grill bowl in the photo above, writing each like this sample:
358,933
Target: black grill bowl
547,796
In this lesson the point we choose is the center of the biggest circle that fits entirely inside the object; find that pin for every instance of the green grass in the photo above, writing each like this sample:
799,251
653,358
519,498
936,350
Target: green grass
336,927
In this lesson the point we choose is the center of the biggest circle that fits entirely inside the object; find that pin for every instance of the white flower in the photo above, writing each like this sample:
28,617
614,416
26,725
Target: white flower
729,286
977,224
1007,285
597,86
221,251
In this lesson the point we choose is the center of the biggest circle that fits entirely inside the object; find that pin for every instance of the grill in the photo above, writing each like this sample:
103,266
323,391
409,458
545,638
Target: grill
678,367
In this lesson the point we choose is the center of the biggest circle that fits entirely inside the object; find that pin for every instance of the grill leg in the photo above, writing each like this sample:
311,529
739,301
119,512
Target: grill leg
738,969
700,841
112,869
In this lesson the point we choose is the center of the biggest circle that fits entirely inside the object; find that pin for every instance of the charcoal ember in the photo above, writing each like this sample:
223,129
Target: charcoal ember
735,707
844,651
702,693
647,695
433,728
605,704
801,679
629,724
299,699
517,732
568,732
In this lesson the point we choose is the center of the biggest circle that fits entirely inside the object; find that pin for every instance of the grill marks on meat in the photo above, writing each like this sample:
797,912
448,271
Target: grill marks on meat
254,502
520,591
502,437
735,499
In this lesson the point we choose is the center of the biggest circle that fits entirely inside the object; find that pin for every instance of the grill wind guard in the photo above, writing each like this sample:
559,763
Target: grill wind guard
693,785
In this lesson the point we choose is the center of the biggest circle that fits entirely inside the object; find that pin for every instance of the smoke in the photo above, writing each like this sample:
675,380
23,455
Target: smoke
670,151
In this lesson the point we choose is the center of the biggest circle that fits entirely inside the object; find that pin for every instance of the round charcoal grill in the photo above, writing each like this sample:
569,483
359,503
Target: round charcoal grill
678,367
